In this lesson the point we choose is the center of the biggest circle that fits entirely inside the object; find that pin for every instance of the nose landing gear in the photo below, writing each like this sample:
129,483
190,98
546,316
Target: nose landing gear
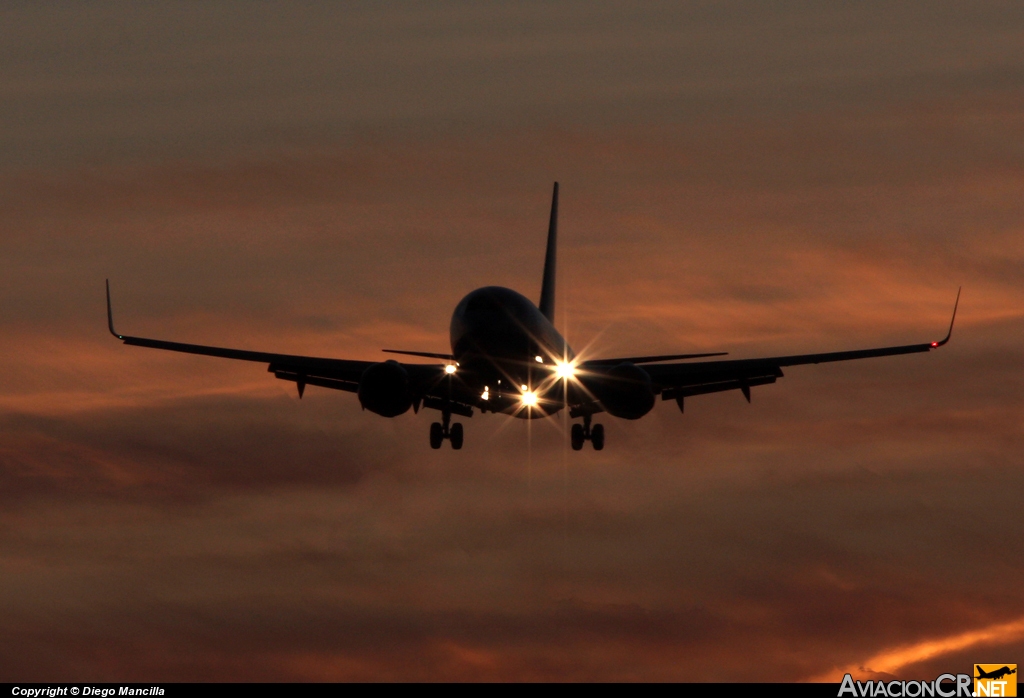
439,432
584,432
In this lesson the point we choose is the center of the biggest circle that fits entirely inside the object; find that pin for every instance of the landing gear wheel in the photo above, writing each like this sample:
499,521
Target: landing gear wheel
578,437
597,437
456,436
436,435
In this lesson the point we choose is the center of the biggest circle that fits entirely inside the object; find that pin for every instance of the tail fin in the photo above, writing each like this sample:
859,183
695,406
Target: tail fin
547,291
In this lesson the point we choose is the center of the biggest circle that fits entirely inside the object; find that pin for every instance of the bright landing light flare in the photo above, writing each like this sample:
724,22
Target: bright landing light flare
565,370
449,369
529,399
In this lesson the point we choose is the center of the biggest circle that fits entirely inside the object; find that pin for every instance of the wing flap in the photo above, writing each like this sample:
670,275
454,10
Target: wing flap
744,384
303,380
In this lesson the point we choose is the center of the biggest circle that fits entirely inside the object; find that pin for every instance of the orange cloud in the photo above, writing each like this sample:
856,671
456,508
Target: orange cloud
890,661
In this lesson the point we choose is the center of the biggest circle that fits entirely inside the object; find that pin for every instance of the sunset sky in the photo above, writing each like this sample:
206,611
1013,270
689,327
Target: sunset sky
331,179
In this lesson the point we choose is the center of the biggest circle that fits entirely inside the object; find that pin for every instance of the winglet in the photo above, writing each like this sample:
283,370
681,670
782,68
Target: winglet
110,314
547,292
936,345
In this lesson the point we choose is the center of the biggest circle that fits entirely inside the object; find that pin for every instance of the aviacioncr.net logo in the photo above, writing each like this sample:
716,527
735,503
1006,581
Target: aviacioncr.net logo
995,680
945,686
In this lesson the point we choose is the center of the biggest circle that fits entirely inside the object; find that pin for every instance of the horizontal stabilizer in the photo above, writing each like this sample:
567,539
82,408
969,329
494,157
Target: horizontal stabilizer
650,359
424,354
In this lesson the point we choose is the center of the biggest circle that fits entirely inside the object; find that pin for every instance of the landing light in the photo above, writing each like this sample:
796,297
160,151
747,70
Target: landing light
449,369
565,370
538,359
529,399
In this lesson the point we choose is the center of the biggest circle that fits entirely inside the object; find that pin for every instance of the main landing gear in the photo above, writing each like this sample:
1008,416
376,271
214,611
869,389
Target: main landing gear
584,432
439,432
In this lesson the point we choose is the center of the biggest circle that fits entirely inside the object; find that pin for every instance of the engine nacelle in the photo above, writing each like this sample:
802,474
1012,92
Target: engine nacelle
384,389
625,390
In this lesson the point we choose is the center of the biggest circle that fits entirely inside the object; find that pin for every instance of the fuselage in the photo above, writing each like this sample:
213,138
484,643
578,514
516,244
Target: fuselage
503,342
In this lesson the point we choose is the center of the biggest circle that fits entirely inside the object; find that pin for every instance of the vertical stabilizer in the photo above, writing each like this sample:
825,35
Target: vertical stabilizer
547,291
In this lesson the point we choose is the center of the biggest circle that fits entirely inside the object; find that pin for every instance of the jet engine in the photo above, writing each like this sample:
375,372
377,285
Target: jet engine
624,390
384,389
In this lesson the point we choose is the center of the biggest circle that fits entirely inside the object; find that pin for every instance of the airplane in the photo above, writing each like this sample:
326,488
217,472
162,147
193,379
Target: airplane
507,357
996,674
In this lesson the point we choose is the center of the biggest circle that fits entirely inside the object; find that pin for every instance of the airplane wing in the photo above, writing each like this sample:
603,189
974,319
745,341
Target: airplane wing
428,380
676,381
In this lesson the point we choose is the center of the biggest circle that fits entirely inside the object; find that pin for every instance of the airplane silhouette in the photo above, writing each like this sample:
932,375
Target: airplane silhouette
996,674
506,356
